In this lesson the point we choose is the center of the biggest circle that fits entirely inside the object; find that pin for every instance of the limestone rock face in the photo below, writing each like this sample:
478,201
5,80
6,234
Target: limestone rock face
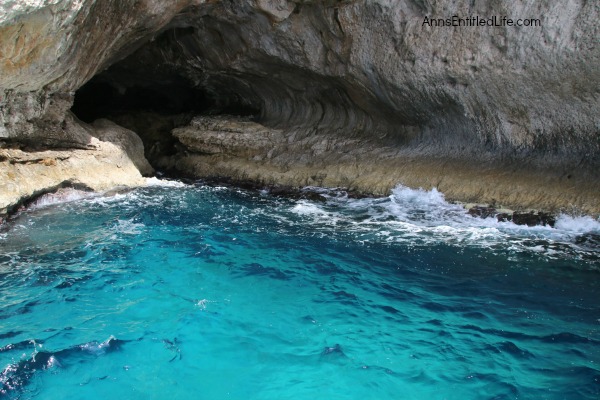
49,48
366,93
130,143
105,164
374,68
233,136
276,10
216,148
60,44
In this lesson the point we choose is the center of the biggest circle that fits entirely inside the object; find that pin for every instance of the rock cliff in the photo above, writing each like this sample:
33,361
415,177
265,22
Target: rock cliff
361,94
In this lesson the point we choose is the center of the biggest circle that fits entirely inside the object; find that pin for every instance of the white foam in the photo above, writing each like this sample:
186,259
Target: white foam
422,217
202,304
128,227
153,181
419,197
304,207
98,348
64,195
584,224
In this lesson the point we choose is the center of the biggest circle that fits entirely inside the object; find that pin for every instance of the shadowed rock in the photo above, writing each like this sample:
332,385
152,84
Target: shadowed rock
481,211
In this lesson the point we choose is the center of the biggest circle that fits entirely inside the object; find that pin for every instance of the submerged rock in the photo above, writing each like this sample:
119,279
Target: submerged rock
504,217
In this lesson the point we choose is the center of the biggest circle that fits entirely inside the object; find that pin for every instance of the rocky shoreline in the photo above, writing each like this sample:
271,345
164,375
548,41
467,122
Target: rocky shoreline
63,190
114,158
239,152
242,150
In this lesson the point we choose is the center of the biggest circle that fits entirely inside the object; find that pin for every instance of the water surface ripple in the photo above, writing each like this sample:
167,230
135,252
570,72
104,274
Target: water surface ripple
189,291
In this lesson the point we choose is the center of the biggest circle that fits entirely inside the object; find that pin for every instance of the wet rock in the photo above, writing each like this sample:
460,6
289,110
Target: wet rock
482,211
313,196
504,217
296,194
284,191
533,218
354,194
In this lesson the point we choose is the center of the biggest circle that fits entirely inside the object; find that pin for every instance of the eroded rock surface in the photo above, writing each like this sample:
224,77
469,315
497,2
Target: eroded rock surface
361,94
114,157
48,49
363,166
233,136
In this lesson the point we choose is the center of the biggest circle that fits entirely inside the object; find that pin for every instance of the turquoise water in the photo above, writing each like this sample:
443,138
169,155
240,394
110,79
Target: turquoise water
180,292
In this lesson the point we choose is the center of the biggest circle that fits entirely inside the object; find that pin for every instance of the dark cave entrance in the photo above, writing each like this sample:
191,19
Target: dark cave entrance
151,97
149,107
103,98
152,108
107,95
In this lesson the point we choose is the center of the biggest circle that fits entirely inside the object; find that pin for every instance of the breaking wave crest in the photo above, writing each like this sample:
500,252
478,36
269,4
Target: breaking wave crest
421,217
64,195
412,217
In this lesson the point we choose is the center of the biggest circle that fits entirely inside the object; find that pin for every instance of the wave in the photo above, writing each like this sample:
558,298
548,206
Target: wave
154,181
16,376
63,195
412,217
68,195
585,224
423,217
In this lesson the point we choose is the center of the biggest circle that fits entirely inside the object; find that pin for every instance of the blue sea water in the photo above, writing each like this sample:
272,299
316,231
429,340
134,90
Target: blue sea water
179,291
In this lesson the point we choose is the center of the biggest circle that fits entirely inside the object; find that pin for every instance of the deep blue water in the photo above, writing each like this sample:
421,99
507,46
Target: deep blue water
184,292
